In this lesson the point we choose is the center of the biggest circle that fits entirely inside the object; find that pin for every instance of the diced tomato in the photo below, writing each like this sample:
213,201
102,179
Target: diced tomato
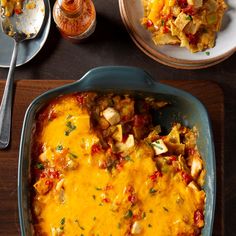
187,178
171,159
199,218
141,120
17,11
81,99
182,3
119,166
156,174
149,23
190,151
189,10
96,148
193,38
132,198
42,175
54,174
49,183
166,29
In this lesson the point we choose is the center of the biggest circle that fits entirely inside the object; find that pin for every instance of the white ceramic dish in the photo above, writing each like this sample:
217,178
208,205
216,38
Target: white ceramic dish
27,49
132,12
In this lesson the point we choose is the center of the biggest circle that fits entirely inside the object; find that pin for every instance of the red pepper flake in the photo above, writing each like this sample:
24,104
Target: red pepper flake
171,159
156,174
190,151
42,175
96,148
149,23
187,178
52,115
108,187
199,218
106,200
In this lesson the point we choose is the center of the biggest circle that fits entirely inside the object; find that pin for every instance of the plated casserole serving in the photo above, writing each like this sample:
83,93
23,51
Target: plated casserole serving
102,165
189,23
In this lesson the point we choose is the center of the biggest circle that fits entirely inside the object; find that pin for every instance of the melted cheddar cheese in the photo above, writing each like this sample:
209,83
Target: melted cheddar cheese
80,191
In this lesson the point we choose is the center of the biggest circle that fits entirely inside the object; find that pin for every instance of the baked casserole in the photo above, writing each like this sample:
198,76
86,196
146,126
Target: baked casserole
102,166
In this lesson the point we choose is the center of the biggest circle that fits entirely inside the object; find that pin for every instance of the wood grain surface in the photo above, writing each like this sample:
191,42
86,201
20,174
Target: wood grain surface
26,90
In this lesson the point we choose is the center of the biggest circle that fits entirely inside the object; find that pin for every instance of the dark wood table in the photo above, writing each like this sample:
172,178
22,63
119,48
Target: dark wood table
111,45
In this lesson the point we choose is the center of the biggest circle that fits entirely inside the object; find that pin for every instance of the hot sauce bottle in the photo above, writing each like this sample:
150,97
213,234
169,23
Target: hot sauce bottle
75,19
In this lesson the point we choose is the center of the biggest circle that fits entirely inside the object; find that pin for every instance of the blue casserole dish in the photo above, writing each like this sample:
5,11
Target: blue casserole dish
184,108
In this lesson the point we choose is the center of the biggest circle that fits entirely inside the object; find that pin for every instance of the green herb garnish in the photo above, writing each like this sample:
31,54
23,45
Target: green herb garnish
63,221
39,166
189,17
128,214
128,158
207,53
70,127
72,155
152,190
59,148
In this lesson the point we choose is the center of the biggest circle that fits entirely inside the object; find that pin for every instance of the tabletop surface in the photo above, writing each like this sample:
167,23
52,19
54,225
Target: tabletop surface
111,45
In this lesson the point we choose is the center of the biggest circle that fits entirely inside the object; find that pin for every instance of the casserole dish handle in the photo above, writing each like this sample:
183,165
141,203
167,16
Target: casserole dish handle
124,77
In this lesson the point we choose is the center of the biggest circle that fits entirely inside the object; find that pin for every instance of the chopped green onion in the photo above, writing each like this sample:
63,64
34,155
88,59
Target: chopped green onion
128,214
72,155
63,221
152,190
39,166
59,148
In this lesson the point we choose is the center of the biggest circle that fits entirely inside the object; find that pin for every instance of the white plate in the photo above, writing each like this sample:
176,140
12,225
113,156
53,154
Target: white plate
132,12
27,49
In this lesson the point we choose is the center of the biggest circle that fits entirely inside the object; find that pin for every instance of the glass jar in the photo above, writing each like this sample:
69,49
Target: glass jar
76,19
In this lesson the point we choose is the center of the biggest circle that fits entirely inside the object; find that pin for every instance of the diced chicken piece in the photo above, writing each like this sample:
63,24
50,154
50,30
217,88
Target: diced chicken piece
136,228
195,3
196,166
159,147
193,185
182,20
118,135
129,143
111,115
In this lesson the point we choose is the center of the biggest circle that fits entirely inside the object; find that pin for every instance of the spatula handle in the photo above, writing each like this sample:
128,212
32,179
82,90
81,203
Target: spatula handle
6,104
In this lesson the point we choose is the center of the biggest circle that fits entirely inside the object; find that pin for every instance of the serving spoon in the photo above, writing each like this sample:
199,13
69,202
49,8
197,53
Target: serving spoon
20,27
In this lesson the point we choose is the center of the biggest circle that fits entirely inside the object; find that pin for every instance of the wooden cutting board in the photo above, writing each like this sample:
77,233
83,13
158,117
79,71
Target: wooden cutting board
26,90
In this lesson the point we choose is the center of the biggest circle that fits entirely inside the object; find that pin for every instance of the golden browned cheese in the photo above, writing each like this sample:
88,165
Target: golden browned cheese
78,193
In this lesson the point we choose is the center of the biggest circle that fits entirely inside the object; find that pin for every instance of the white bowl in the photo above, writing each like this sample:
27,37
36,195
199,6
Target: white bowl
132,11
